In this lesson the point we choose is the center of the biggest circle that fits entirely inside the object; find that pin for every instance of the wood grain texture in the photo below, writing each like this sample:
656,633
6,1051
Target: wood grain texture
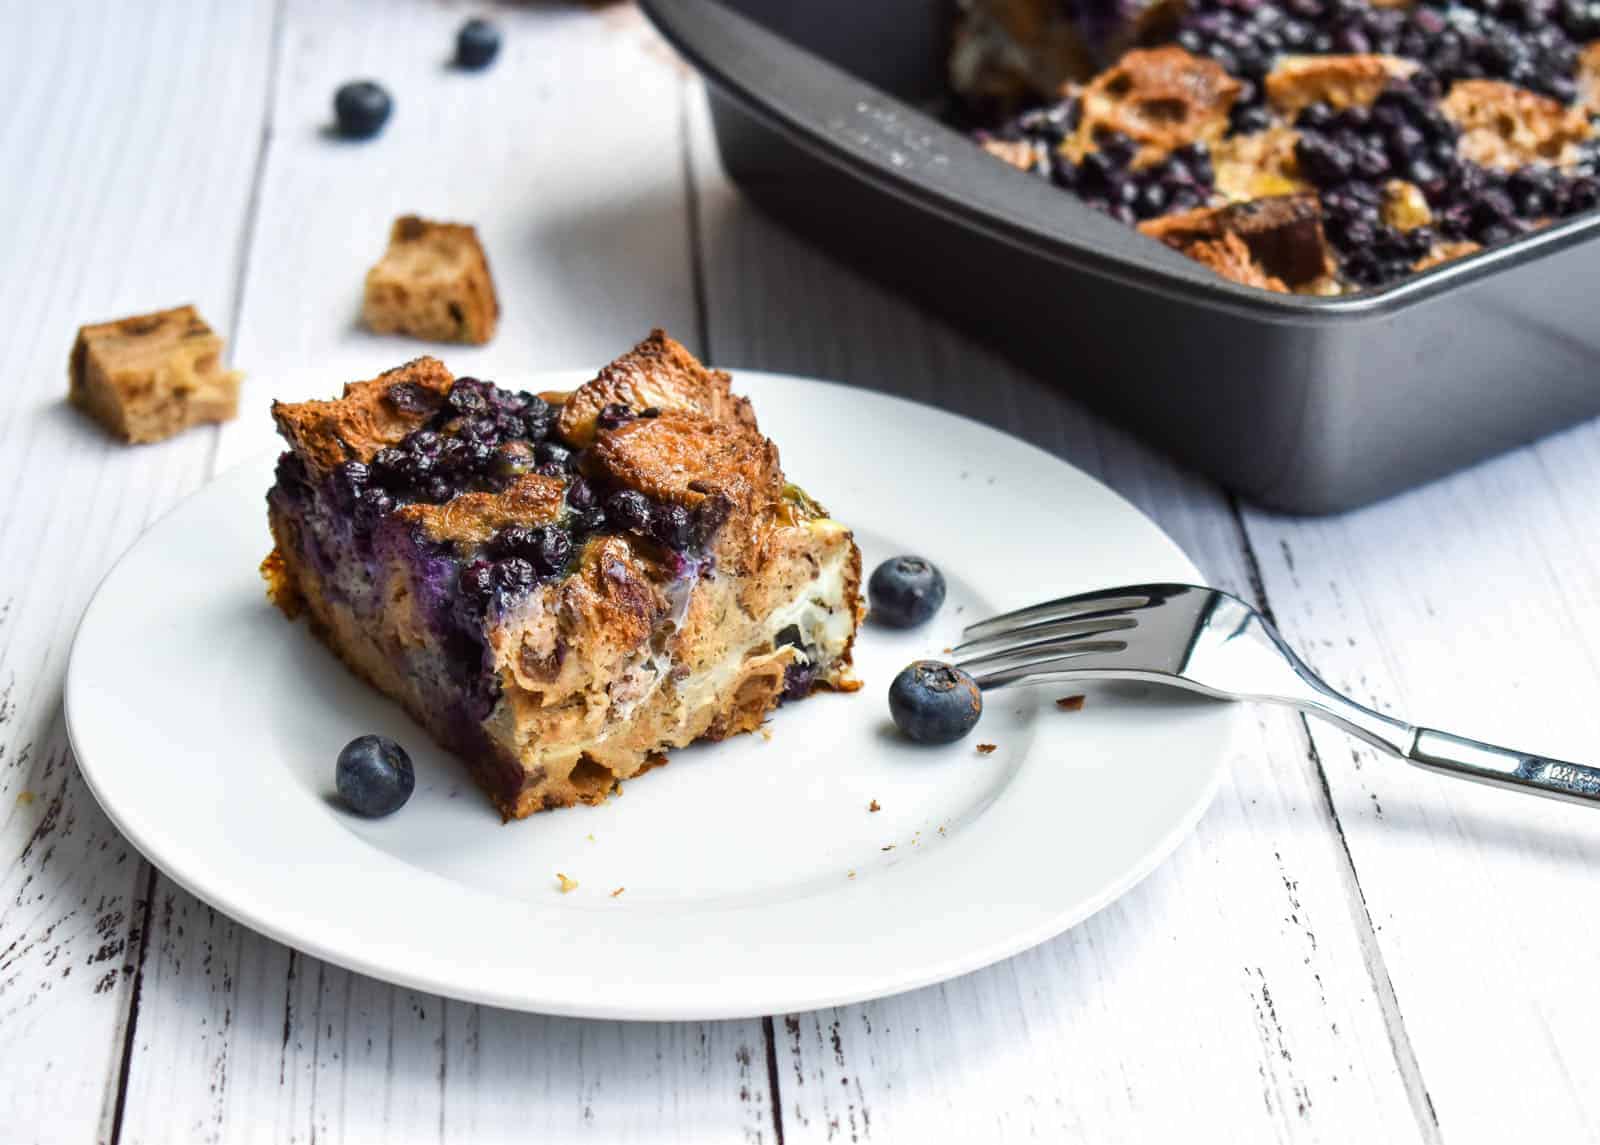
1229,995
238,1039
113,205
1471,605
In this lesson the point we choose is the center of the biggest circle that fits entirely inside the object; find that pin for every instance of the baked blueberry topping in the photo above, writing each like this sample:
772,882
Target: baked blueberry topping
613,415
934,703
477,581
408,397
628,510
361,109
904,592
672,526
477,44
514,575
553,453
547,548
1350,155
374,776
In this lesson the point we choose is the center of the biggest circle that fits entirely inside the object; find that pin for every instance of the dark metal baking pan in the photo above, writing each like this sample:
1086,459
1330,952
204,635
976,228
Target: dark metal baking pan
1305,404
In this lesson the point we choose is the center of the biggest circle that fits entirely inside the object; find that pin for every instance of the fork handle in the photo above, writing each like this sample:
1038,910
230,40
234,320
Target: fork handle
1502,767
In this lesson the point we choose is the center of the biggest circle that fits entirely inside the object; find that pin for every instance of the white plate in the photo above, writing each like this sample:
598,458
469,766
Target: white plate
756,879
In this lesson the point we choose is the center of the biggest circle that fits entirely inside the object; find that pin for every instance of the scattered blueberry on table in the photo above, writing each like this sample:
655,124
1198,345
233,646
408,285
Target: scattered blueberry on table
374,776
477,44
934,703
361,108
905,592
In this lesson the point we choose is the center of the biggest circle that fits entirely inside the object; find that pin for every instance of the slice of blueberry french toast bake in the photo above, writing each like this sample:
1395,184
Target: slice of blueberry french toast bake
561,588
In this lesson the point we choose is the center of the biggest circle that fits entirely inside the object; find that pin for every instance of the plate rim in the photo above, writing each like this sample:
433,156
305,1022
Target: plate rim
598,1006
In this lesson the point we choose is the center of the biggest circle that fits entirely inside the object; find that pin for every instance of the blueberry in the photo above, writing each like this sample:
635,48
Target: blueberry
361,109
469,396
549,451
672,526
477,44
408,397
905,592
581,495
934,703
552,548
374,776
629,510
514,575
613,415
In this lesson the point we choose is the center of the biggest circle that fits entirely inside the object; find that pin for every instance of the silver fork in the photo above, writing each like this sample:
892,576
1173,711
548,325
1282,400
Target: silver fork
1210,642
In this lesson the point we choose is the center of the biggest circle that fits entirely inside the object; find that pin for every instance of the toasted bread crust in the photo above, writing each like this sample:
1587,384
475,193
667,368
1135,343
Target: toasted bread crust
354,427
1446,252
1258,165
1296,82
657,373
1507,127
1283,235
1230,258
1161,98
1589,79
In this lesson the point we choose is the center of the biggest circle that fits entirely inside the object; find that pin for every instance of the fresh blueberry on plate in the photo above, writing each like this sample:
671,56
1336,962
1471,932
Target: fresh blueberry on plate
933,702
477,44
361,109
374,776
905,592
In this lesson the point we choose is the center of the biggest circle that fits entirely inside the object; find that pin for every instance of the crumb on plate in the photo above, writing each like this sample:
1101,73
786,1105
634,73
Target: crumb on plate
618,891
1070,703
567,885
873,806
890,847
24,798
987,748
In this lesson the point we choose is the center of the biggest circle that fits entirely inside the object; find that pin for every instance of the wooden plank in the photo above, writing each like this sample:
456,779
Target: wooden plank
1473,605
131,134
238,1039
1235,990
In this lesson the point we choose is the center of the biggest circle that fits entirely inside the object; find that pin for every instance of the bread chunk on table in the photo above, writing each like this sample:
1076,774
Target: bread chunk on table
432,283
148,377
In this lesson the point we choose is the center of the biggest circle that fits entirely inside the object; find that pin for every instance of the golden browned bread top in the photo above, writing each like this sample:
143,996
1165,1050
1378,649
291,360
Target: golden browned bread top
1258,164
1405,207
1283,235
1508,127
328,433
1161,98
1230,258
143,338
658,373
1297,82
471,519
1589,78
1445,252
1019,153
683,456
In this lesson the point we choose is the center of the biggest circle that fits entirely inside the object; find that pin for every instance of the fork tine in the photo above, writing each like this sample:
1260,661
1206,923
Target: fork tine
1009,667
1015,640
1082,605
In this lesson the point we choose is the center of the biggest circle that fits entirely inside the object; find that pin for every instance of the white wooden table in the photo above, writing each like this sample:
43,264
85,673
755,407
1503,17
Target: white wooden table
1345,950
